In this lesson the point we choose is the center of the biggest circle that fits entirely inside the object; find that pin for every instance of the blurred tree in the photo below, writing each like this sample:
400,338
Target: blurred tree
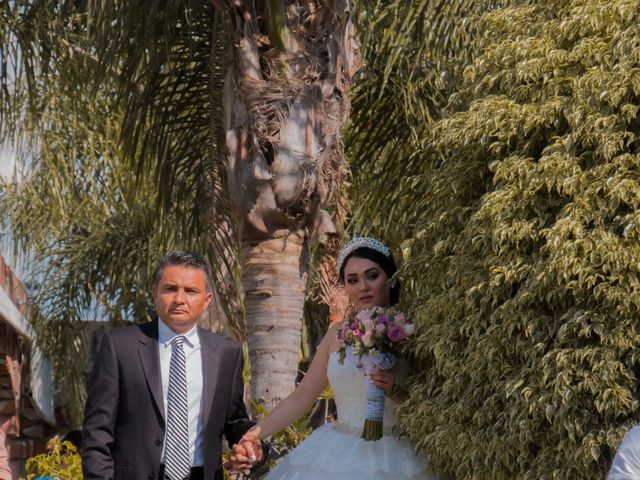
277,77
143,136
206,125
92,227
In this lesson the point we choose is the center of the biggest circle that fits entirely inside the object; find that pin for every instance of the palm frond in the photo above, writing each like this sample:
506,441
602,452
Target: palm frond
171,59
412,53
92,225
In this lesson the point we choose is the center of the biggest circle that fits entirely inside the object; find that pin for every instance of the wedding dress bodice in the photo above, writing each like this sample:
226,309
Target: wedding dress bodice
348,384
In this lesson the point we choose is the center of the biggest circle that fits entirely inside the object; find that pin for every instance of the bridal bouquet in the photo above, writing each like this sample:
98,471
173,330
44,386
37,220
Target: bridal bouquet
372,342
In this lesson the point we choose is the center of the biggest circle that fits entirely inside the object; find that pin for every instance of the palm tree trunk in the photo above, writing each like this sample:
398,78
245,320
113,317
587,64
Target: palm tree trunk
274,274
285,98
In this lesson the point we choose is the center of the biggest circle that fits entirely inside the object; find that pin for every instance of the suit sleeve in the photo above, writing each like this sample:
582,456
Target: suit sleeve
237,421
98,428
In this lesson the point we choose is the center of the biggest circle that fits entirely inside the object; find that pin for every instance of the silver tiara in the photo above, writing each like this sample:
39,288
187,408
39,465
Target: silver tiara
361,242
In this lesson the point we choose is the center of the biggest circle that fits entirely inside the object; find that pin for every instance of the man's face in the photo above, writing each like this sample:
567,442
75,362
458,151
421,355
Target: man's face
181,296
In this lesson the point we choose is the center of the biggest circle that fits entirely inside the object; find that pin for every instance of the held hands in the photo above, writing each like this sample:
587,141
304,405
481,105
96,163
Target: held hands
245,454
384,379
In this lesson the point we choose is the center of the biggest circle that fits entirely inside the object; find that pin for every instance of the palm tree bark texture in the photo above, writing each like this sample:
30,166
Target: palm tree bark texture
285,97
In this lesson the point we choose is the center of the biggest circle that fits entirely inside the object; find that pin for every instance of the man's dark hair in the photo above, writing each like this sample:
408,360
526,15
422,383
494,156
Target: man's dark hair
184,259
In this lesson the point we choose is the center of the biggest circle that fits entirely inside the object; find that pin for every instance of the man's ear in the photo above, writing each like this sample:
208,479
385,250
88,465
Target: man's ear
208,299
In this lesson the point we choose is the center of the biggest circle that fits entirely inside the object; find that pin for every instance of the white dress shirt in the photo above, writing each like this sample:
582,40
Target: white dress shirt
626,463
193,356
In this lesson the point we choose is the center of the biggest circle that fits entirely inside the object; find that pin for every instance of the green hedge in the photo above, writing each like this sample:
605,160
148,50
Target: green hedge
526,256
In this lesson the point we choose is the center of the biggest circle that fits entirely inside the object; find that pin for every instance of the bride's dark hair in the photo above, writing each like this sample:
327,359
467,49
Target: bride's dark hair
387,264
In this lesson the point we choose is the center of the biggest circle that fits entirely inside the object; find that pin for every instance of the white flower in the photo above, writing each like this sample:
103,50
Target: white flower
367,339
368,325
409,328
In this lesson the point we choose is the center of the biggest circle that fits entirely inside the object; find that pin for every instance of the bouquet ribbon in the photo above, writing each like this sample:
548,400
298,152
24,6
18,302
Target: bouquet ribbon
374,395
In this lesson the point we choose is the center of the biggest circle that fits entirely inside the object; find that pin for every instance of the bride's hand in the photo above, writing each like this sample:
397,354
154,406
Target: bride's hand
385,379
246,453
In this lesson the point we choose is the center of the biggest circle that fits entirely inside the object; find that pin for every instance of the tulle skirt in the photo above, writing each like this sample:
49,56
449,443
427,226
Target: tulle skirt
336,452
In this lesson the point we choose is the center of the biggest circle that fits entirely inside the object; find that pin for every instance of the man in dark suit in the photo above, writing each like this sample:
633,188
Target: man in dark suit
162,394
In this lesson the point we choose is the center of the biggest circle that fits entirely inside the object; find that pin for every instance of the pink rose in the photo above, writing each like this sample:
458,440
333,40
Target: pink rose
380,328
363,315
368,325
367,339
399,319
396,333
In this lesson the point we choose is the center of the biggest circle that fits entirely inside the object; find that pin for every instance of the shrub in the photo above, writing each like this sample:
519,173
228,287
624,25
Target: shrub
526,256
60,462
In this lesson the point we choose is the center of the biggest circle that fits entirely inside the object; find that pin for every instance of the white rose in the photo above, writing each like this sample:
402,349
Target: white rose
409,328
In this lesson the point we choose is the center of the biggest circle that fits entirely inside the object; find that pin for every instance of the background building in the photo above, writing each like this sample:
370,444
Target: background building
27,413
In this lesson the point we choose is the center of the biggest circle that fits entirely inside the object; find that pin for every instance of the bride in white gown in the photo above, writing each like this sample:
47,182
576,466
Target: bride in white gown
336,450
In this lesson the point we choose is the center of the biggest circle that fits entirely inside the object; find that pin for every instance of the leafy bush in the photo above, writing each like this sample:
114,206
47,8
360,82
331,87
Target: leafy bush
526,256
61,462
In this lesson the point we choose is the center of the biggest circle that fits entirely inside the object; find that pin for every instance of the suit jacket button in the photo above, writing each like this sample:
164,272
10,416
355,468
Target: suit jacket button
158,442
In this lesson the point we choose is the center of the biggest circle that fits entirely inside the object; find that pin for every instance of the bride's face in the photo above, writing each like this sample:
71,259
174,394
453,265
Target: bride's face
366,283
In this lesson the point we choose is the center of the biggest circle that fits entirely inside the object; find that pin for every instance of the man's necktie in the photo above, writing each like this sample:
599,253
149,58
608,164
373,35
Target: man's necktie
176,455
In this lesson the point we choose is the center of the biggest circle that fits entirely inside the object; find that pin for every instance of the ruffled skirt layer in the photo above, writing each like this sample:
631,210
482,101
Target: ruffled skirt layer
336,452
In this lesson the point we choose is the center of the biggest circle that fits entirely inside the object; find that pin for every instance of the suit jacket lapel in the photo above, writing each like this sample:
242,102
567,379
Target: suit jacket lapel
150,359
210,371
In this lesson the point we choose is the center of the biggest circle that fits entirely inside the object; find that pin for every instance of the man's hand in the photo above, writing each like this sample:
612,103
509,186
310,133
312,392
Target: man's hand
246,453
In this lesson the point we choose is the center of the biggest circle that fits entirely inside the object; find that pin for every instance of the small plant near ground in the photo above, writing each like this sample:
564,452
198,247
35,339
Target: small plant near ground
60,462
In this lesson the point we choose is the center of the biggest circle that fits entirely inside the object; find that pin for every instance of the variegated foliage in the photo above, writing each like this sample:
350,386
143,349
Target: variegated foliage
526,252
